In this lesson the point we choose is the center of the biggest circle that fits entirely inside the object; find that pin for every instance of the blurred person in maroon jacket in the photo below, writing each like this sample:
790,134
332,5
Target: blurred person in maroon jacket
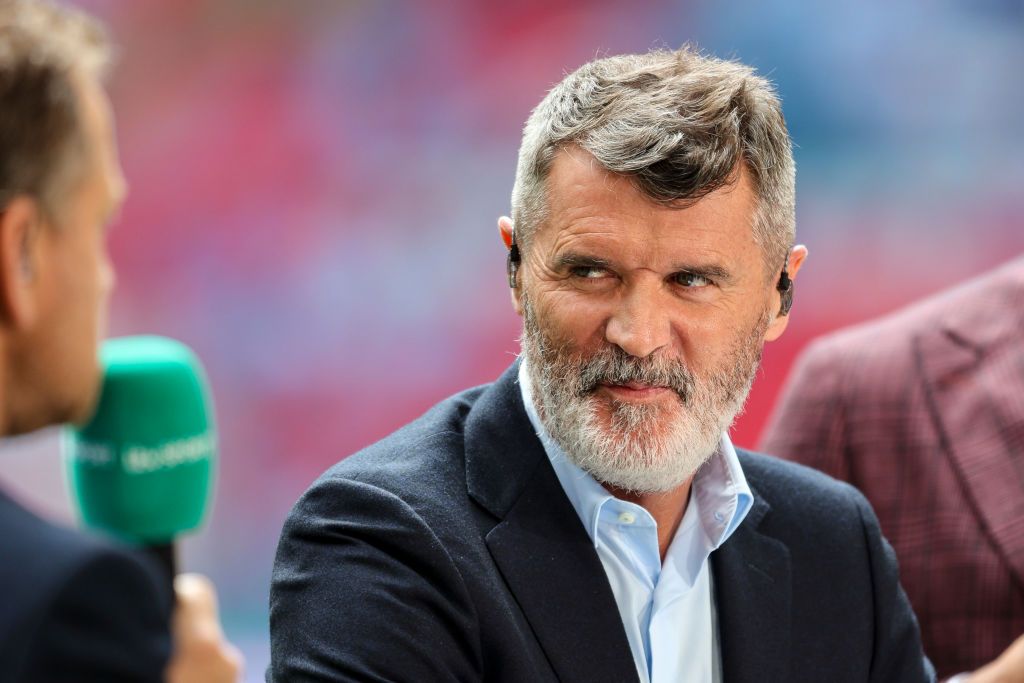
923,411
74,607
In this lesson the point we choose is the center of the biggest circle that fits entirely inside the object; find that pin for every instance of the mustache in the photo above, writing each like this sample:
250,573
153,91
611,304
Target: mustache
612,365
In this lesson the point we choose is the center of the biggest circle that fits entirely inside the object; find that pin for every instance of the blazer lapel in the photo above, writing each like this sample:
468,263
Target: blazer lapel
539,544
973,373
753,592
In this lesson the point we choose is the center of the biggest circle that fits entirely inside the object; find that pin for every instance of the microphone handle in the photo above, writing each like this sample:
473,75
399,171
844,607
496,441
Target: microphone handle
166,557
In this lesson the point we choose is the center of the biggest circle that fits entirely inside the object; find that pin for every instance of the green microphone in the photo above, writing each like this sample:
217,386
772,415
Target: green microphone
142,468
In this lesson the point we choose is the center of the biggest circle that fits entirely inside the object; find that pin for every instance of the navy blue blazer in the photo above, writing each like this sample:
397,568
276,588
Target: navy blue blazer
449,552
75,608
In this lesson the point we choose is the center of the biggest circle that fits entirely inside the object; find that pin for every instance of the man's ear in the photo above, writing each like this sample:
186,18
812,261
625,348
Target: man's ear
797,255
20,222
506,229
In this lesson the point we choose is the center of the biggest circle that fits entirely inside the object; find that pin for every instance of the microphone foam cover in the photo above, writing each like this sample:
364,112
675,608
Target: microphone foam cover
142,468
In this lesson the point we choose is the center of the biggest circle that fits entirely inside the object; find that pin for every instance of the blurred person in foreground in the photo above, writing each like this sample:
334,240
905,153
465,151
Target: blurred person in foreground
923,411
585,517
74,607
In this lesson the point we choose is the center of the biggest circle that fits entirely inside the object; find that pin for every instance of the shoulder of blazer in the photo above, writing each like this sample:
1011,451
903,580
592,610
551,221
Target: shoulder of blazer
795,493
478,442
413,448
45,563
36,552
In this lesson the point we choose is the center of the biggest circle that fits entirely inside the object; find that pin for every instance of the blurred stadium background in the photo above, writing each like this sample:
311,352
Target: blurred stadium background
314,189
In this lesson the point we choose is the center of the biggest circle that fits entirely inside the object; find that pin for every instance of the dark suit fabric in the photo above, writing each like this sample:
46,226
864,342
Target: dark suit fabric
449,552
76,609
923,411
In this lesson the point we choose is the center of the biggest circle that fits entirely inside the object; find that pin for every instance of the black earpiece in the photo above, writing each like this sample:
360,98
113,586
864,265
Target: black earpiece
785,287
512,265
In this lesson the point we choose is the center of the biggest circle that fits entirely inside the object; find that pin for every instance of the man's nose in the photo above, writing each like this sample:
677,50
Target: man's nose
640,324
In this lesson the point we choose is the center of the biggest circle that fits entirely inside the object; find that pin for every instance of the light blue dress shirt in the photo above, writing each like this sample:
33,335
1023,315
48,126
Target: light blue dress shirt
667,608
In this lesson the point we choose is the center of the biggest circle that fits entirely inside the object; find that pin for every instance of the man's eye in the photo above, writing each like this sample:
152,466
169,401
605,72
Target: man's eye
691,280
589,272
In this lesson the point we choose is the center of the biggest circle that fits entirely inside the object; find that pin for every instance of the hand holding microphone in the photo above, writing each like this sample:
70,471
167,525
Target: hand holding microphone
200,651
142,470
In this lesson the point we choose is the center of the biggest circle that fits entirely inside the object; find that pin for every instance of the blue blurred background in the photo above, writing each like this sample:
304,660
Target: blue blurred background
315,187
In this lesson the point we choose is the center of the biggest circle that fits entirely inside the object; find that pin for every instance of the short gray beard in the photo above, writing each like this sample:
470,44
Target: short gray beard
649,448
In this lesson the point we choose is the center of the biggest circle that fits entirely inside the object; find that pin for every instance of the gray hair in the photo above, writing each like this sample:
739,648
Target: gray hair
677,123
44,48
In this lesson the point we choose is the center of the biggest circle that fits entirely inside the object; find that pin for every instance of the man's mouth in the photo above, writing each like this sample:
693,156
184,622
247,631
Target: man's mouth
636,391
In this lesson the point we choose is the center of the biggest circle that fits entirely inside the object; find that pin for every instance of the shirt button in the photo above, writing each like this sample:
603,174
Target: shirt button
627,518
719,517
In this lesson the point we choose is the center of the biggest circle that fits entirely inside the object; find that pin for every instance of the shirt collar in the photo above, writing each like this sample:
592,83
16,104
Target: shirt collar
720,493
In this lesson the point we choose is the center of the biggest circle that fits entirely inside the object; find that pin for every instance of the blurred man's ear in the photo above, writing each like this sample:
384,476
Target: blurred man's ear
512,264
783,293
20,222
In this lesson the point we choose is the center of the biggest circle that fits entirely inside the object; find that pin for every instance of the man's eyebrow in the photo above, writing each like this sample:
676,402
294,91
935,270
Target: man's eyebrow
711,271
576,260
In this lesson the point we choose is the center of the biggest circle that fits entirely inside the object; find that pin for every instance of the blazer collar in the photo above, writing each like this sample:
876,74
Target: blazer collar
972,368
753,593
539,544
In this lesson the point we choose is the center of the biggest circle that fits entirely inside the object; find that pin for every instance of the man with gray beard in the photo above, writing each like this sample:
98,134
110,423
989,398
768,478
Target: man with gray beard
585,517
632,455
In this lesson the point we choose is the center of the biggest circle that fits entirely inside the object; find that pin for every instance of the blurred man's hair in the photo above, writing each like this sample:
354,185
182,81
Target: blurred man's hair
44,49
678,124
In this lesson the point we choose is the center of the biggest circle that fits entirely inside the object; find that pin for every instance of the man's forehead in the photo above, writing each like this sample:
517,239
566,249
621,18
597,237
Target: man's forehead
587,201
